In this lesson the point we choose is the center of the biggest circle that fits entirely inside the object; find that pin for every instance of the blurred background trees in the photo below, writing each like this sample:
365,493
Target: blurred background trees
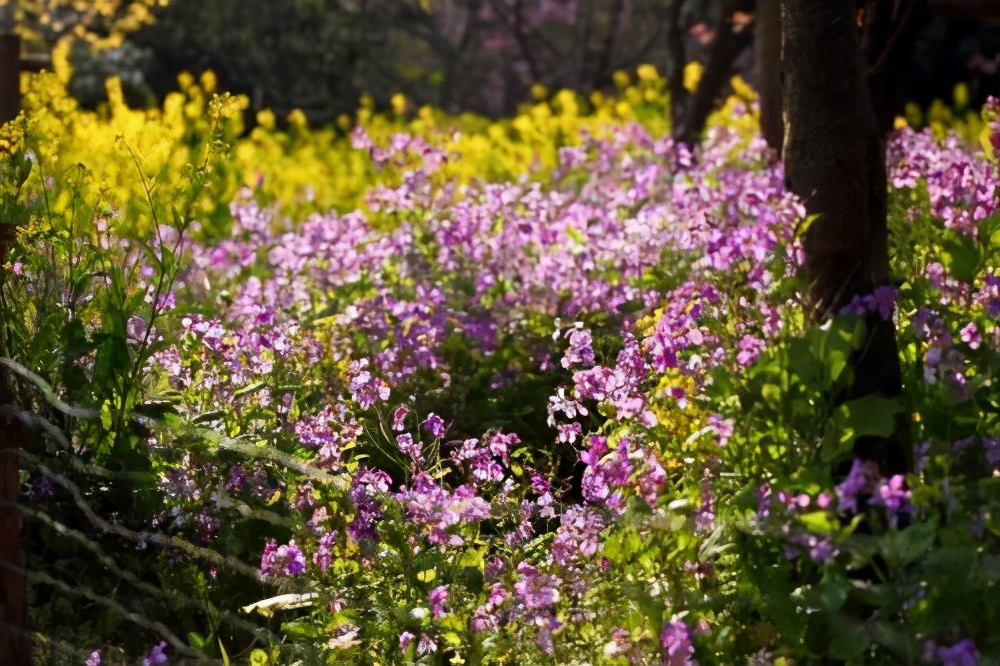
484,56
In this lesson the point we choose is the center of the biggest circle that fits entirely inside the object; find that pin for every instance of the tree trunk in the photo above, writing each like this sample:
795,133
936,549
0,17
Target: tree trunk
14,648
835,161
767,60
725,46
676,59
890,36
10,76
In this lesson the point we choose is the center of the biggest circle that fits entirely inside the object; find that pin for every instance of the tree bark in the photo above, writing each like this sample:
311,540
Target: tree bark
767,60
10,76
676,59
890,36
835,161
725,46
14,649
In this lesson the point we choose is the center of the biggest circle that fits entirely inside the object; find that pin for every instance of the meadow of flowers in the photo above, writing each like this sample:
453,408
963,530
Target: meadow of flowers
450,391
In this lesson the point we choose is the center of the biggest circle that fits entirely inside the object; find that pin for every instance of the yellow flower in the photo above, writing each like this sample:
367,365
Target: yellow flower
266,119
398,103
647,73
692,75
298,118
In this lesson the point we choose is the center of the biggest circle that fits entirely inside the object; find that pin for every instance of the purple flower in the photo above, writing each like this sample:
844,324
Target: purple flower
285,560
884,301
366,389
676,641
580,349
894,496
763,502
594,486
704,518
405,640
156,655
750,349
970,336
426,645
398,418
409,447
821,550
536,590
723,428
323,556
963,653
848,490
992,448
435,425
94,659
438,596
578,535
544,640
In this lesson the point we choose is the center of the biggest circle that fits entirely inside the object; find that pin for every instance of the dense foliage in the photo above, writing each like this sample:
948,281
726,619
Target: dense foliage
446,390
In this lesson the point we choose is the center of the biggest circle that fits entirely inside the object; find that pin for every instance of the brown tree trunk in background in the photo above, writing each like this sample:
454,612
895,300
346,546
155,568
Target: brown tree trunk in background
676,59
891,31
10,77
725,46
835,161
767,60
14,649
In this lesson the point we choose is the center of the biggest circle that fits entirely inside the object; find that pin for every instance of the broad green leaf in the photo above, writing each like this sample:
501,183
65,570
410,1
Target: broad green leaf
872,415
905,546
960,256
849,639
819,522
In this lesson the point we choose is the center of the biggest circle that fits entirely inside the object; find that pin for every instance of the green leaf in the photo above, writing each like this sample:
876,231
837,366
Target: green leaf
872,415
106,415
832,593
473,557
819,522
630,307
256,386
905,546
804,225
849,637
894,639
960,256
427,575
